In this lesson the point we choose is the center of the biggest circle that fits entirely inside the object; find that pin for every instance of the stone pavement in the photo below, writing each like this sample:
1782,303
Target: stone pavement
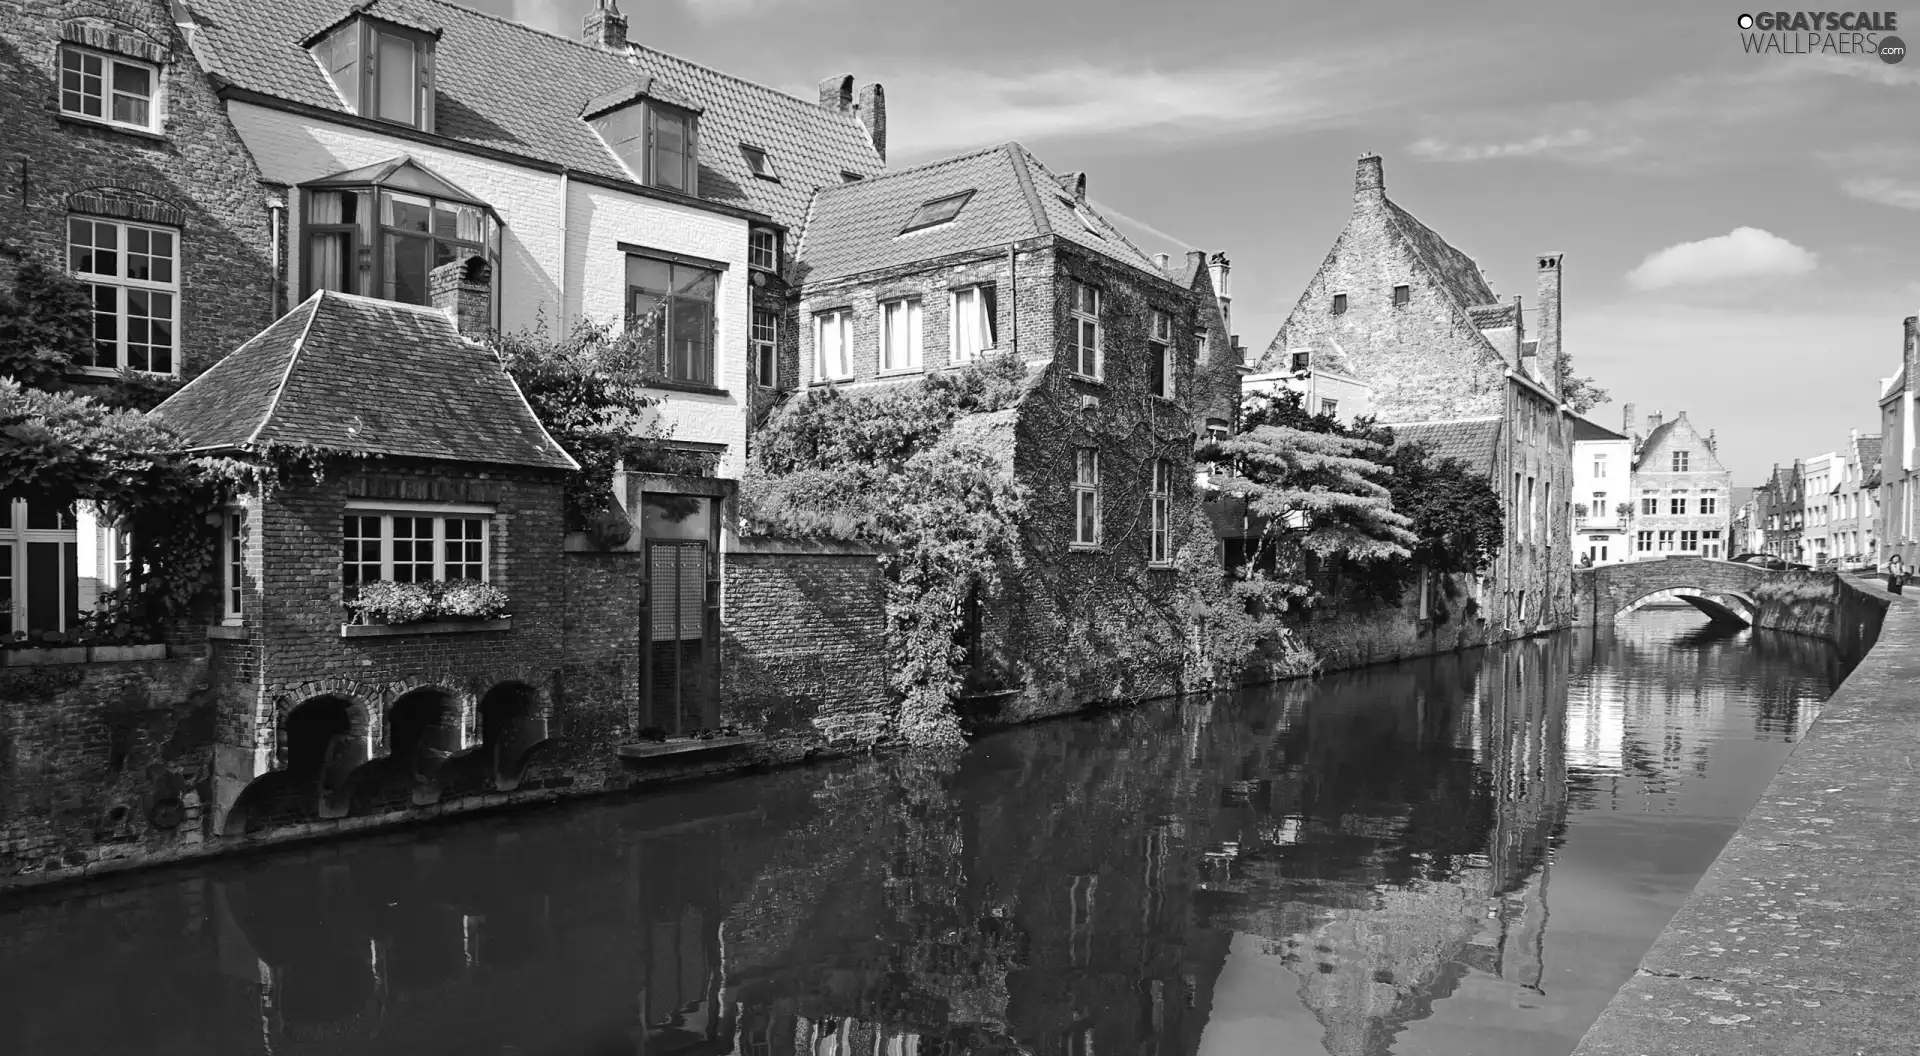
1804,936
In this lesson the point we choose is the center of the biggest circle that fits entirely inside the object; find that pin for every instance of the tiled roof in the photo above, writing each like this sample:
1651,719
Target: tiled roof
1491,316
1867,450
365,376
1453,270
857,227
508,87
1471,440
1585,430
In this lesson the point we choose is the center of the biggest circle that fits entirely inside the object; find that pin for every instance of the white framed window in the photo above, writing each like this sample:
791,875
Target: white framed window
1085,327
1330,408
900,335
971,323
1689,541
414,545
1680,461
1599,466
763,249
1160,515
1086,496
1649,506
39,566
132,273
1677,506
233,554
833,345
766,349
1643,541
1709,504
117,91
1160,351
1666,539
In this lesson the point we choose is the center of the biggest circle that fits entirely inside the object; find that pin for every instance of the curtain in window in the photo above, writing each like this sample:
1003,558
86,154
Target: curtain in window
834,346
972,323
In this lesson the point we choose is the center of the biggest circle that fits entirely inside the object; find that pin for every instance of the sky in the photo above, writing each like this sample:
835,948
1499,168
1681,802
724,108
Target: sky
1737,227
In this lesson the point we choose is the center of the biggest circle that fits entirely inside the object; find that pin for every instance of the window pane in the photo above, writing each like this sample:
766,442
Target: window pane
406,261
360,553
405,212
669,162
341,57
328,254
412,549
106,326
694,282
689,330
649,274
395,76
465,553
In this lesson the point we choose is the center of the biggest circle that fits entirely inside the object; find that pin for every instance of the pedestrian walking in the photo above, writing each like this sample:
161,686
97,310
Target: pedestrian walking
1896,574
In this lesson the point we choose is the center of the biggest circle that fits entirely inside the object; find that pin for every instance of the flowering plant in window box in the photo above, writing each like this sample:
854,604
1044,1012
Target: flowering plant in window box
385,601
469,599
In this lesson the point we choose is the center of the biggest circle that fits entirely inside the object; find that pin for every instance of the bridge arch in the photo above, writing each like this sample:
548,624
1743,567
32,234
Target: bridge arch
1721,606
1726,591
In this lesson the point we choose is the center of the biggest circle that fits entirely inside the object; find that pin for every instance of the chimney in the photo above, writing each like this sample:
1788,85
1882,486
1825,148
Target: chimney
836,93
1160,260
873,114
1369,183
605,27
1075,184
1713,441
1547,287
1627,420
1653,421
464,290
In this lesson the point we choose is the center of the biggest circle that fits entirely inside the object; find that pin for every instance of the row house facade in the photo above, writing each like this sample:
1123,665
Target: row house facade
1780,511
1602,495
1855,499
1681,491
1448,364
1899,526
1823,473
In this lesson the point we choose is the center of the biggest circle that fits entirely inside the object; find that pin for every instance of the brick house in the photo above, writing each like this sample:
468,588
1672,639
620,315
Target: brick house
929,268
120,165
1446,363
437,469
1899,533
1681,492
603,180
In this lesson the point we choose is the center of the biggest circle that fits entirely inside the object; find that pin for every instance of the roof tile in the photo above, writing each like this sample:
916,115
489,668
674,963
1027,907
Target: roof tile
1473,441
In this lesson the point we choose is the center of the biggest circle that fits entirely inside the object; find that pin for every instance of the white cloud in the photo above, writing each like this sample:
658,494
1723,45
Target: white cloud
1544,143
1884,190
1743,253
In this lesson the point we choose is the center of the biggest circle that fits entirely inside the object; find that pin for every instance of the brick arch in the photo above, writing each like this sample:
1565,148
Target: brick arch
129,200
465,701
1605,591
360,711
1714,603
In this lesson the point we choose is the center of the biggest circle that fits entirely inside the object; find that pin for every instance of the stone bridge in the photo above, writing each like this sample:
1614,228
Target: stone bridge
1724,590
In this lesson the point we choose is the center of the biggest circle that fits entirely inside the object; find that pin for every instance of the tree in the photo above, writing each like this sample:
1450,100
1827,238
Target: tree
46,322
1581,394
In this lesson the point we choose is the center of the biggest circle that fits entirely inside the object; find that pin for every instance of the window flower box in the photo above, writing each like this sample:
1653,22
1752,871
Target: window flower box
390,630
462,601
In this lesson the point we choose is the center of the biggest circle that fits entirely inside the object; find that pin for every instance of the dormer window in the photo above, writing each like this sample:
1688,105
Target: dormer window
381,70
938,211
759,163
109,88
654,131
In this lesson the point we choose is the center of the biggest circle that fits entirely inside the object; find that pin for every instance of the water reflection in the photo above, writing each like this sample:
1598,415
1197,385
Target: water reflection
1462,854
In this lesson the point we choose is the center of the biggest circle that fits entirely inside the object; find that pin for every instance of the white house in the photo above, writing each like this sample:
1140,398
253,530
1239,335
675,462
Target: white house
1602,494
1322,389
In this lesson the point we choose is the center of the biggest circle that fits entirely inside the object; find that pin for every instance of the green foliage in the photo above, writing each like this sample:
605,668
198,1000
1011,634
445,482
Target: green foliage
1581,394
46,322
1455,512
584,386
385,601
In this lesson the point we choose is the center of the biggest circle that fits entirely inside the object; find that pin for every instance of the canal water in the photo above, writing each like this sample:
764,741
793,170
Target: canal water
1460,855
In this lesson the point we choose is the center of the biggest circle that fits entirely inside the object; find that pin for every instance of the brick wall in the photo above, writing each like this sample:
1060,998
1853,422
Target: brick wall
803,640
195,176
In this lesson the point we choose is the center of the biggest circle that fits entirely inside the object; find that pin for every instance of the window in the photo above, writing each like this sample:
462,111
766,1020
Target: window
1677,506
766,349
938,211
1085,326
1302,360
1710,543
763,249
378,231
132,275
972,323
833,346
1160,351
1709,504
1649,506
1339,304
900,334
1599,466
1160,515
1666,540
1401,295
381,70
1690,541
233,546
1330,408
413,546
1643,541
1086,497
109,88
1085,217
657,142
1680,461
670,305
759,163
39,566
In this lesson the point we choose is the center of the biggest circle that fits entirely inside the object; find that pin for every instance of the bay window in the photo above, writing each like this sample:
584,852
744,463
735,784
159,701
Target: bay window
900,334
109,88
670,307
971,321
833,345
405,545
378,231
132,274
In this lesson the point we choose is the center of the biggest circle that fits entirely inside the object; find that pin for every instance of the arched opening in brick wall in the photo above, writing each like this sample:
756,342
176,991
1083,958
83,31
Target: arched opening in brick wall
320,742
511,727
423,730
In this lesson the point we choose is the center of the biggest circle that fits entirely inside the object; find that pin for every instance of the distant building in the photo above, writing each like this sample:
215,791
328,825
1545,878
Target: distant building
1680,491
1856,500
1602,494
1899,530
1323,389
1744,535
1822,473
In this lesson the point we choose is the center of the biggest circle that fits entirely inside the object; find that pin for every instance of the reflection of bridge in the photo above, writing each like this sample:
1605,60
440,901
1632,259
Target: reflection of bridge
1724,590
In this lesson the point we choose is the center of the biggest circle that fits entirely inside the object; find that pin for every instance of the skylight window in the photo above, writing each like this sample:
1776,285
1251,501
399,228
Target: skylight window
759,163
938,211
1086,218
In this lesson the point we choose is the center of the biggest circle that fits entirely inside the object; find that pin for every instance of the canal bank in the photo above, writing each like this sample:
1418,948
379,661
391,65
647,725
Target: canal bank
1802,937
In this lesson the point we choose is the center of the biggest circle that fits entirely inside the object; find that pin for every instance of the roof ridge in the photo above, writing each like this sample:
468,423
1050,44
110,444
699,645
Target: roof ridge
293,356
882,177
1022,175
241,347
1077,204
1444,421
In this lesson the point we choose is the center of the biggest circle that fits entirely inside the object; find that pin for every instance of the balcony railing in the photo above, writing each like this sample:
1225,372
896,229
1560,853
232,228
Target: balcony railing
1598,521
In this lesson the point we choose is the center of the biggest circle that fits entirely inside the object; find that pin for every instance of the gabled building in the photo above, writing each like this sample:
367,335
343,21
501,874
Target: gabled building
1400,311
1856,500
1822,478
604,181
1680,491
934,267
1602,489
1900,456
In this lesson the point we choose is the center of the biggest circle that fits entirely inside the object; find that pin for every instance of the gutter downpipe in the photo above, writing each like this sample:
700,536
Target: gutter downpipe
1013,299
276,215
